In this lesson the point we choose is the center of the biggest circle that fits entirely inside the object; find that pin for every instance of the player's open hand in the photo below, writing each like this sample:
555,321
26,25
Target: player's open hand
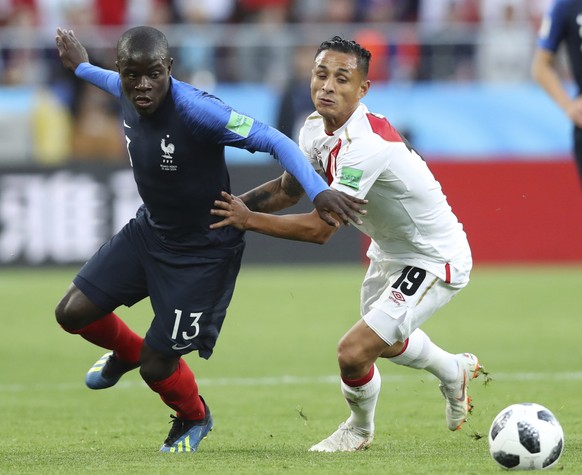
71,51
342,204
232,209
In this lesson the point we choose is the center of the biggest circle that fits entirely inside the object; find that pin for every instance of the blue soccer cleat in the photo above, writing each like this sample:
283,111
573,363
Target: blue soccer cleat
185,436
106,371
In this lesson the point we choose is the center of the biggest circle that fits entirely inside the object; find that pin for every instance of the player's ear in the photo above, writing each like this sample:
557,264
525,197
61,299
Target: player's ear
364,87
117,66
170,63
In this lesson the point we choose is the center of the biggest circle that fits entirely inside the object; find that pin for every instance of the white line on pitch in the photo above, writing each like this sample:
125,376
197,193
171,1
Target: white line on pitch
288,380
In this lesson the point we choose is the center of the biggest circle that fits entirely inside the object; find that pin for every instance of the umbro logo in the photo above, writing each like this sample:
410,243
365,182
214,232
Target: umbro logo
398,296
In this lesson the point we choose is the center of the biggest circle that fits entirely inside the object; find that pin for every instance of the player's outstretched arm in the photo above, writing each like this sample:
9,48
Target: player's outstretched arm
306,227
286,191
274,195
71,51
325,200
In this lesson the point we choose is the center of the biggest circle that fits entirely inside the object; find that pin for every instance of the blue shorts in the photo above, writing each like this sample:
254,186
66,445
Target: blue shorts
189,294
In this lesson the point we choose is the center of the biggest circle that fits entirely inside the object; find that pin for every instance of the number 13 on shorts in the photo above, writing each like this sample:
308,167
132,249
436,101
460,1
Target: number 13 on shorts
185,335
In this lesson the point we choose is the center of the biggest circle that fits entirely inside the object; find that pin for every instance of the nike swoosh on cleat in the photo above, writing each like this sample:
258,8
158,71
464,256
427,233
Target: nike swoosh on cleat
462,398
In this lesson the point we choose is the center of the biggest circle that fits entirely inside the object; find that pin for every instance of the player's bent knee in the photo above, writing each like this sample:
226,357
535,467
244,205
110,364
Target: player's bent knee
76,311
351,358
65,318
153,372
148,373
60,312
156,366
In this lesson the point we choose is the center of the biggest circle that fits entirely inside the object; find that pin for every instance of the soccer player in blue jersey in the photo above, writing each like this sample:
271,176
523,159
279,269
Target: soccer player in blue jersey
175,137
562,24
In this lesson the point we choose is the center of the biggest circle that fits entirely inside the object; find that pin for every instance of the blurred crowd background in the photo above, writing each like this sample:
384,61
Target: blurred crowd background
217,42
452,75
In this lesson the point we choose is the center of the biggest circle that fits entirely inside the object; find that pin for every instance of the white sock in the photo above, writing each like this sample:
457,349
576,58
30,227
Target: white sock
422,353
362,402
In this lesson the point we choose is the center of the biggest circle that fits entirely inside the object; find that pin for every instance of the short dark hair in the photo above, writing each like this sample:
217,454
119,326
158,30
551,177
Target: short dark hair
337,43
143,39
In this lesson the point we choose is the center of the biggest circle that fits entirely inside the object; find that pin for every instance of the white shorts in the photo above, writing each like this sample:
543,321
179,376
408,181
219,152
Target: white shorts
397,299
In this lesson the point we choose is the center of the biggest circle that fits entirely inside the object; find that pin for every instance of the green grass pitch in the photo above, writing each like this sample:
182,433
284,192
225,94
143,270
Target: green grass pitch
272,382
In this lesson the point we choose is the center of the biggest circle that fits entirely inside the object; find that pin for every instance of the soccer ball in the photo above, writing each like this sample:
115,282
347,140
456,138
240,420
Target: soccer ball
526,437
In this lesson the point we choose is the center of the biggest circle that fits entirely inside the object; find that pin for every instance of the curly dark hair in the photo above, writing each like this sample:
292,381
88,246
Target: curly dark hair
337,43
142,39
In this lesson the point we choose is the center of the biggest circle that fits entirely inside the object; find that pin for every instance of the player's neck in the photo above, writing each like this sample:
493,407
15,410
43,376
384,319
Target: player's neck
331,124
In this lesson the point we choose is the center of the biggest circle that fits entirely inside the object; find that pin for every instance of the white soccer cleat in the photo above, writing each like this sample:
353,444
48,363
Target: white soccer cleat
346,439
458,404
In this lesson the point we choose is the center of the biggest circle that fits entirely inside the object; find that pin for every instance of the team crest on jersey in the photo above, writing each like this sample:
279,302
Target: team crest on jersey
351,177
167,158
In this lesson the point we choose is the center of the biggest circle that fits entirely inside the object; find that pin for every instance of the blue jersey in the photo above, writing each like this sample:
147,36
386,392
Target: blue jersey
177,155
563,23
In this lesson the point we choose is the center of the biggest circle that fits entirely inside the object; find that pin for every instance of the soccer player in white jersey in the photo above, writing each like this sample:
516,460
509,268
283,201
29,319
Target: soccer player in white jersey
419,254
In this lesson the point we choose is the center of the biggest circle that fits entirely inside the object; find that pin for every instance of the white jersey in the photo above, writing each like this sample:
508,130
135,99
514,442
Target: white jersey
408,218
